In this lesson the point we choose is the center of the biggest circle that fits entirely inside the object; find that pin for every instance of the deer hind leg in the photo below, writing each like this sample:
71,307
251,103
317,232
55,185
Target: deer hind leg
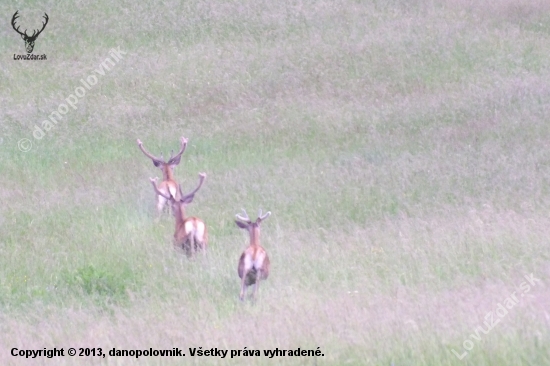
190,247
200,246
243,285
201,238
248,266
257,284
161,201
190,234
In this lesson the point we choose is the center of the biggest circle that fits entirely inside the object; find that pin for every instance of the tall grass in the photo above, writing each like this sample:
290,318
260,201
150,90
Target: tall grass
402,147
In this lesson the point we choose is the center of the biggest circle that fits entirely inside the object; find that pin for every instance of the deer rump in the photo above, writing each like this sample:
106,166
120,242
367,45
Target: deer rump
252,275
193,238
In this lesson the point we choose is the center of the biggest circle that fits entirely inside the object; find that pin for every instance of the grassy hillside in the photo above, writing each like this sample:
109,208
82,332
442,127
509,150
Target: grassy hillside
401,146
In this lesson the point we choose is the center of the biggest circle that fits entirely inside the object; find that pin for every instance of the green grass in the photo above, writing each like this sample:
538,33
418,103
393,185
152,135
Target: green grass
401,146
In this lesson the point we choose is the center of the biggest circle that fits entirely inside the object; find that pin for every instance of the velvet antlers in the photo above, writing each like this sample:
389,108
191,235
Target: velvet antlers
167,189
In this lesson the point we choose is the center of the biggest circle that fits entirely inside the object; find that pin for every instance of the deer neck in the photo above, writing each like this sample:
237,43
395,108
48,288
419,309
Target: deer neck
180,215
255,236
167,173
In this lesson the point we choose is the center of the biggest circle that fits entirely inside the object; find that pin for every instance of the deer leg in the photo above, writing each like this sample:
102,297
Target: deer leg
243,286
161,201
198,246
258,277
203,248
191,241
189,250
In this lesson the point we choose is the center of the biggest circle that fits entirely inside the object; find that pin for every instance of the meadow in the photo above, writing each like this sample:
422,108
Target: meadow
403,148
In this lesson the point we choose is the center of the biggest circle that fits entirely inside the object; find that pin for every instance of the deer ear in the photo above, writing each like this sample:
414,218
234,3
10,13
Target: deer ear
188,199
242,225
176,161
156,163
23,36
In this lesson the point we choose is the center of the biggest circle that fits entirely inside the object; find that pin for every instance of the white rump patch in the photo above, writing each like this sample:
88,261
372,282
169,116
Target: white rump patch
199,233
172,190
189,227
259,260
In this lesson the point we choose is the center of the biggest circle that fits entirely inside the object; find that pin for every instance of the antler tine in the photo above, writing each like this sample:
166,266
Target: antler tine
183,141
148,154
265,216
13,19
202,176
243,218
154,183
176,159
43,24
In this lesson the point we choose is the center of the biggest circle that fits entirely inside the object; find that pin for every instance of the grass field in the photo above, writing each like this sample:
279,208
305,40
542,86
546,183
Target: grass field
403,148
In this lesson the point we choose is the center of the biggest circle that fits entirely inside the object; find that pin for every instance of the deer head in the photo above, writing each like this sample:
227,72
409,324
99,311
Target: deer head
29,40
178,204
167,167
247,224
253,228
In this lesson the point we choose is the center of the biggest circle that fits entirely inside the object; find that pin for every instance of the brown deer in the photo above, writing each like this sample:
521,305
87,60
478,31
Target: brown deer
168,187
254,262
190,234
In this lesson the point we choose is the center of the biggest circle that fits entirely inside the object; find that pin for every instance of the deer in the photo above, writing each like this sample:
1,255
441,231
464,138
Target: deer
168,187
29,40
190,232
254,262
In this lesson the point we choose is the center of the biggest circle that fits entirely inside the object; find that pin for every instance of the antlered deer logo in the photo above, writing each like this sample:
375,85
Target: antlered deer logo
29,40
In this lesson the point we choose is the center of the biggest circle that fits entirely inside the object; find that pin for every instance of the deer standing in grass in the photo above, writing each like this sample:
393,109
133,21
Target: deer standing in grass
168,187
254,262
190,234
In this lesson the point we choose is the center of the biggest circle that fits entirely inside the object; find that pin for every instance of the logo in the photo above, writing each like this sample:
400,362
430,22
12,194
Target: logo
29,40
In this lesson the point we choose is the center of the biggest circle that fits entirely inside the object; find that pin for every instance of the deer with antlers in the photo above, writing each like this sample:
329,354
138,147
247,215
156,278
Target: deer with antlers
190,234
167,189
29,40
254,262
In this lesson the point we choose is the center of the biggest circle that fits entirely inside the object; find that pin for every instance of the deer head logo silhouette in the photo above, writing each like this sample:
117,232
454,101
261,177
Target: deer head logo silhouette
29,40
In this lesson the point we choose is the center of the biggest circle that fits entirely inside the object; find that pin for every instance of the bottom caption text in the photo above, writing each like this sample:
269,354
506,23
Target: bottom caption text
174,352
